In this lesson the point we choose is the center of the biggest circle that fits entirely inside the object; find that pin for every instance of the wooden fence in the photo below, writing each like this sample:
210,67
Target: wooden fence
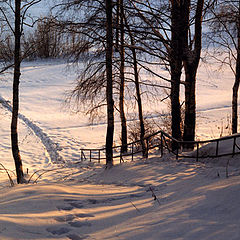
164,142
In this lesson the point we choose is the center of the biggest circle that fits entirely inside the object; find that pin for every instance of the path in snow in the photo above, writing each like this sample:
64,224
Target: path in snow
51,147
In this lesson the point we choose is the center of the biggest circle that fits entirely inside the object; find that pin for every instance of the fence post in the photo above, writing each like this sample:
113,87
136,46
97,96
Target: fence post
177,151
161,144
90,155
197,150
99,155
120,155
132,151
217,148
147,139
234,145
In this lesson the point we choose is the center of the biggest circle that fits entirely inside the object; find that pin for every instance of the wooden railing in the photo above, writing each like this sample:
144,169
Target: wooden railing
164,142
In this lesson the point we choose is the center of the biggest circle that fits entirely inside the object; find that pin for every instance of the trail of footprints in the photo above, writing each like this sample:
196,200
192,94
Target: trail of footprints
73,220
81,219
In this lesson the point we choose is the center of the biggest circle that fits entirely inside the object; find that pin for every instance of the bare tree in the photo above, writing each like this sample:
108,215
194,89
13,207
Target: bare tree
48,39
191,58
176,27
19,12
93,24
15,107
224,39
162,35
109,89
120,15
137,86
237,78
176,57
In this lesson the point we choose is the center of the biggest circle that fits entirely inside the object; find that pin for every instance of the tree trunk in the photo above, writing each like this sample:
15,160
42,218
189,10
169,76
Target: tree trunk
117,20
176,55
175,107
109,89
190,106
235,105
236,83
122,82
191,61
15,107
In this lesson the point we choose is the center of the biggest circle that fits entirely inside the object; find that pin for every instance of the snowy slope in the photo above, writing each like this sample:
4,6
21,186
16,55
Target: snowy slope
193,201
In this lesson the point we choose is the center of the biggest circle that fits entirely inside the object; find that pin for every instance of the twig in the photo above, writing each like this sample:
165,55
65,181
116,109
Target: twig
10,179
44,171
135,206
154,196
33,175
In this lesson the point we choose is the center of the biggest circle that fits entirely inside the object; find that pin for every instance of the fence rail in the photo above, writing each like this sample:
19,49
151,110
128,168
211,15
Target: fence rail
164,142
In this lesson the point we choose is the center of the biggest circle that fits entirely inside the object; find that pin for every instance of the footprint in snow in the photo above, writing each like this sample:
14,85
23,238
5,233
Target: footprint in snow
93,201
65,208
65,218
73,203
76,204
76,237
70,218
58,231
80,224
83,215
70,200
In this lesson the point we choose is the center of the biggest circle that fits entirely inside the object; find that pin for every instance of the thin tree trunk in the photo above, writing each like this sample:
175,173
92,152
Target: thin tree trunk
109,89
138,92
122,82
139,101
236,83
15,107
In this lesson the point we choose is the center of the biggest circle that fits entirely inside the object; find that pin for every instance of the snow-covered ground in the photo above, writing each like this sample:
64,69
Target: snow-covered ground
193,201
84,201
